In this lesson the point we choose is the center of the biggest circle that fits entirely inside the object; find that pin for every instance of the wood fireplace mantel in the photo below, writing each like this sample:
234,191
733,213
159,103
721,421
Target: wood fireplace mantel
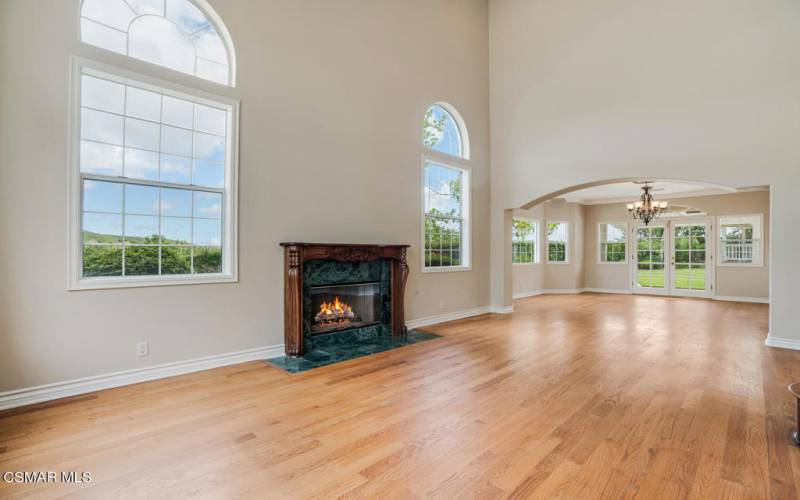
296,254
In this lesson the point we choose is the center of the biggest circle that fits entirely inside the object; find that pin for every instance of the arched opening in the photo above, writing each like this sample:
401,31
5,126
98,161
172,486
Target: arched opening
606,182
711,242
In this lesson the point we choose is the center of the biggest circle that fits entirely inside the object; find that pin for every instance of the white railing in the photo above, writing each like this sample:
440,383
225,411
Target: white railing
738,251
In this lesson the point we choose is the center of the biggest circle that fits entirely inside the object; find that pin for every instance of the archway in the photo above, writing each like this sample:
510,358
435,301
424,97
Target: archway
685,268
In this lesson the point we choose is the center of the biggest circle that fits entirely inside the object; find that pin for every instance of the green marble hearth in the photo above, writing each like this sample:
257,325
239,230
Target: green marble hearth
336,347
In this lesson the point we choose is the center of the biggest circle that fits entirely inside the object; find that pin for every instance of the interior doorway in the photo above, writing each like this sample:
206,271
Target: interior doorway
673,257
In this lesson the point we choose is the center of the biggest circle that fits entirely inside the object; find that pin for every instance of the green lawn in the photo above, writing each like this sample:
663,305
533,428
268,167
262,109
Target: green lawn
694,279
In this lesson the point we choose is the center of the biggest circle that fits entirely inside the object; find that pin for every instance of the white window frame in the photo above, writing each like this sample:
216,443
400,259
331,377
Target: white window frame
566,243
466,210
600,243
536,244
721,246
229,273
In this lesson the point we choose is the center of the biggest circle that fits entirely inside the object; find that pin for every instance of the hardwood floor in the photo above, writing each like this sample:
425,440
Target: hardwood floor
587,396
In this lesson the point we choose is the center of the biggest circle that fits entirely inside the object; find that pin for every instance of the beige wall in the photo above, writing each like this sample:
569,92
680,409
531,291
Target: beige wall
586,92
325,88
533,278
529,278
747,282
567,276
607,276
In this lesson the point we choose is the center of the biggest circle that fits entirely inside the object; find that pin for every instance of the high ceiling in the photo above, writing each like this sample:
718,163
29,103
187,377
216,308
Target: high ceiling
629,191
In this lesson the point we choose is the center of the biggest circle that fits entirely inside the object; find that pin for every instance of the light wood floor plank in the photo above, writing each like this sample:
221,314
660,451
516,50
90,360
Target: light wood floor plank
586,396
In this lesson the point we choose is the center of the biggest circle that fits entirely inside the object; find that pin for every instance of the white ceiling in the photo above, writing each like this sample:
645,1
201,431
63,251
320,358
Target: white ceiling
629,191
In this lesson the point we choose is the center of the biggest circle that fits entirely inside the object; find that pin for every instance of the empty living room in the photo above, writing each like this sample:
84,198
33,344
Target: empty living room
294,249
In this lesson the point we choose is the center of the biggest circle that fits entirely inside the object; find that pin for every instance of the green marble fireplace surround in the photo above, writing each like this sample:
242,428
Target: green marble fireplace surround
325,272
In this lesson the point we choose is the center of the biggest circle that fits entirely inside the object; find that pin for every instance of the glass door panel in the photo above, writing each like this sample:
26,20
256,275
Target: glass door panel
650,270
690,276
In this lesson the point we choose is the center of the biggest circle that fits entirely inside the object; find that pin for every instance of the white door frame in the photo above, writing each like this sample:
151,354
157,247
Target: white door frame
669,223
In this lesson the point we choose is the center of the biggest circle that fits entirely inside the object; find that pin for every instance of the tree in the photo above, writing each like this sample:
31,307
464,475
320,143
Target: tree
523,247
432,129
142,256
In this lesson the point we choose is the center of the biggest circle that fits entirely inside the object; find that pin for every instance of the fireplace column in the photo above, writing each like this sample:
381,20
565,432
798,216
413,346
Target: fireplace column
293,294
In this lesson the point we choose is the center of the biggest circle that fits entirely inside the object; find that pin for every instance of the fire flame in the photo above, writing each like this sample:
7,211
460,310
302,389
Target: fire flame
336,307
334,312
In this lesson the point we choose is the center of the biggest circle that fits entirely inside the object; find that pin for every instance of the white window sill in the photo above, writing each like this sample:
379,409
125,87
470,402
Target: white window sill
115,282
737,264
451,269
559,263
525,264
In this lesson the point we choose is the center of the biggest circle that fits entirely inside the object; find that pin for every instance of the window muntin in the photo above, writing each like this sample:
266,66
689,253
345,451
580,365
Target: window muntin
171,33
557,240
446,216
154,182
741,241
613,238
440,132
524,241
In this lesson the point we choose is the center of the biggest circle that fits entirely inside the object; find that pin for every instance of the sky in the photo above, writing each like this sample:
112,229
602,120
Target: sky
153,124
175,34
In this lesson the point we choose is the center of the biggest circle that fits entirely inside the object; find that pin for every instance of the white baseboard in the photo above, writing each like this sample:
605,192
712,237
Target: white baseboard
621,291
730,298
566,291
501,309
441,318
783,343
57,390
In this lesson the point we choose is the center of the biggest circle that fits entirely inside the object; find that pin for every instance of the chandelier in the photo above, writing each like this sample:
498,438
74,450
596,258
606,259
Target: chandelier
646,209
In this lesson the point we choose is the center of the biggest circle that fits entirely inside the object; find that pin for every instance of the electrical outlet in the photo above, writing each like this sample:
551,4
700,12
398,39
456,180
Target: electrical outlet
441,304
142,349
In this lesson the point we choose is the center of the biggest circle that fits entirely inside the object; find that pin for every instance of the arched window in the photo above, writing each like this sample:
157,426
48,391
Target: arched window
443,132
174,34
445,191
153,181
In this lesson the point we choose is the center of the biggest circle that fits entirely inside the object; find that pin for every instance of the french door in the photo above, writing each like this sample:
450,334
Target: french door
650,270
674,257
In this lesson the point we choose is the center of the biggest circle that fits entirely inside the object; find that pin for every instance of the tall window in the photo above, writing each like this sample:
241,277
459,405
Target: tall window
613,242
170,33
524,238
740,240
153,176
446,191
445,216
557,240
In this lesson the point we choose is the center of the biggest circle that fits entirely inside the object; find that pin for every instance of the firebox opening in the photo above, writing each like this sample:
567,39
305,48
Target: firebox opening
339,307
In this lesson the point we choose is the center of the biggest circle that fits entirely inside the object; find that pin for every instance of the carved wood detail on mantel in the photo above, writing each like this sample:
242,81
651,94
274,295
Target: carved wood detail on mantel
296,254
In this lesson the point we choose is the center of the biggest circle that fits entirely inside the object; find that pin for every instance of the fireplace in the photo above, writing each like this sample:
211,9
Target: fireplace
339,307
340,290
